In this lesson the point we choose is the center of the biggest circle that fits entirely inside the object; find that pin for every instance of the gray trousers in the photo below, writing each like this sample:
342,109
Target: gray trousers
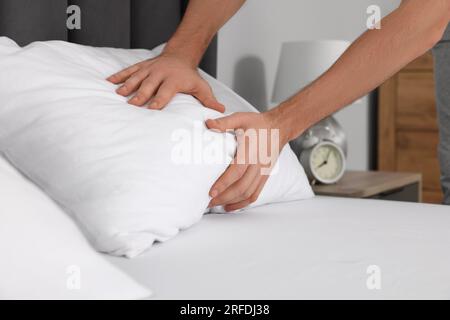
441,54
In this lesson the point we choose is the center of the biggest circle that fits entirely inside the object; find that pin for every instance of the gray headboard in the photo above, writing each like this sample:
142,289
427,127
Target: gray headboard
104,23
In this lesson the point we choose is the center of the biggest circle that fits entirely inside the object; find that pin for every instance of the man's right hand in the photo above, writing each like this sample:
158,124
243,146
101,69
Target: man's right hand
156,81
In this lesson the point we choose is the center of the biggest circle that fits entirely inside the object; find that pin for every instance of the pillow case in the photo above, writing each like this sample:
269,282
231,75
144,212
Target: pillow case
43,253
288,182
129,175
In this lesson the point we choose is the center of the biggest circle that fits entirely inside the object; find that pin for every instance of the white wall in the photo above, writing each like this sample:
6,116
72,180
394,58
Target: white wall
249,46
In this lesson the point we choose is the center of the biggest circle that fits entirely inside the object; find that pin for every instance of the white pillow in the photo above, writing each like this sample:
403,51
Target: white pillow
44,255
288,181
115,167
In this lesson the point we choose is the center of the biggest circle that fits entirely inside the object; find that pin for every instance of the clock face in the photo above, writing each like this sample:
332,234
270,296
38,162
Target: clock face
327,163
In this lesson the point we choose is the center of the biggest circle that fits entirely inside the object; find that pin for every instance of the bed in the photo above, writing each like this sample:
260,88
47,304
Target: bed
323,248
319,248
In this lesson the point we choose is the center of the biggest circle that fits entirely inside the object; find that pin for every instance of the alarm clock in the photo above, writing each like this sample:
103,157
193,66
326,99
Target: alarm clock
323,162
322,151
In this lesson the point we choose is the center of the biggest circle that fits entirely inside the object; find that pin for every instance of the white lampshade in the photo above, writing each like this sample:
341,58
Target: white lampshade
302,62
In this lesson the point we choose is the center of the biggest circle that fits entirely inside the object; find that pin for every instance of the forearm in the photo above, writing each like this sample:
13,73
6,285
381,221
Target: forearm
407,33
202,20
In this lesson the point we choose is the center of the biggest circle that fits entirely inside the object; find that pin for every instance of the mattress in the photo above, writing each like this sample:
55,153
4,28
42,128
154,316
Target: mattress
323,248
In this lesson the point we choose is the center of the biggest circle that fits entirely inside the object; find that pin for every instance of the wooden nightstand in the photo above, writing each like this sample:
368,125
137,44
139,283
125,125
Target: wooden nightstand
375,185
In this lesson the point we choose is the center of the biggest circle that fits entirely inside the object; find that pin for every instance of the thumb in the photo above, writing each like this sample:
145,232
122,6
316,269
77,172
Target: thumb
207,98
230,122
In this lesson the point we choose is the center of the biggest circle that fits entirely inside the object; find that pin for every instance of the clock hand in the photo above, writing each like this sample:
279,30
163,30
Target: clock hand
328,156
326,161
322,164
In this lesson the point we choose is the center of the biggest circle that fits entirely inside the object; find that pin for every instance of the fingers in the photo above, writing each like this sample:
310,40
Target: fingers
250,200
230,176
123,75
146,91
146,77
225,123
234,172
132,83
242,189
205,95
163,96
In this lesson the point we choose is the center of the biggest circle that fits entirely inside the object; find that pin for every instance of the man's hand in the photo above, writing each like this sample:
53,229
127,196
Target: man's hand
243,181
156,81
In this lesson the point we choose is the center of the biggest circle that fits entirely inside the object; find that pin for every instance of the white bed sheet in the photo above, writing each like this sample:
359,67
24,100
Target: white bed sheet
314,249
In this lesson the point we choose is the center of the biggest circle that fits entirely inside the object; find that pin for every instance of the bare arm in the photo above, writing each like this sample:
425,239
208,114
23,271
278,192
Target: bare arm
410,31
414,28
201,22
157,80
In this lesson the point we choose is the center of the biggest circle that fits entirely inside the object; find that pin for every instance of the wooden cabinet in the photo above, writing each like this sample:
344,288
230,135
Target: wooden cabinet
408,134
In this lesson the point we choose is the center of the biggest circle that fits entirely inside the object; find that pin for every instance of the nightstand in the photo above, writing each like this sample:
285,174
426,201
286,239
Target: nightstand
395,186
